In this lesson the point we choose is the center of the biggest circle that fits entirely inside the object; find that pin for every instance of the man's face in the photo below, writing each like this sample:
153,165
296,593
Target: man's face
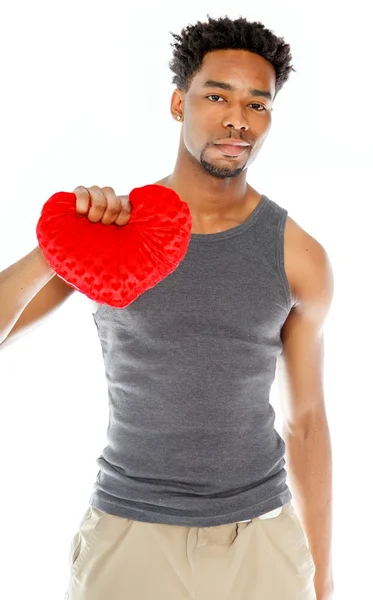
212,114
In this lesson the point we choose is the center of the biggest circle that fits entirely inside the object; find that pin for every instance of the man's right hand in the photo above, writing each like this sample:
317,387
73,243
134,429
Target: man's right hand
102,204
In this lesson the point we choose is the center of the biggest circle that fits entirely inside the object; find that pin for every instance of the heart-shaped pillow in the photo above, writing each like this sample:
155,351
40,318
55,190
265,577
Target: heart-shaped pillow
114,264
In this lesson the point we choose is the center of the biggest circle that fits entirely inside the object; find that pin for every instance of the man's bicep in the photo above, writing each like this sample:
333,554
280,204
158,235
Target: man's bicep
300,366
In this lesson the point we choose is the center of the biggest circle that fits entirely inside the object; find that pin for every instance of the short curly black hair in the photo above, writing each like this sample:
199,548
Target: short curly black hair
226,34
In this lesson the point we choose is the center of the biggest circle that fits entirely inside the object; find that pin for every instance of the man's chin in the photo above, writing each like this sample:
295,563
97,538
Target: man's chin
221,172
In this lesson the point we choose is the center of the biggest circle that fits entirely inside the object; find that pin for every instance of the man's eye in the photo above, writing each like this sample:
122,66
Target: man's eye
263,108
214,96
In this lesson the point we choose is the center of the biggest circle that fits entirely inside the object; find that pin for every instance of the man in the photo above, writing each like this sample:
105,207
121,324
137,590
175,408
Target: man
191,499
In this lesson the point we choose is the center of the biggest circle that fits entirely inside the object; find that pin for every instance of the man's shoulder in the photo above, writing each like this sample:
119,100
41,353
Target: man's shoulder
307,260
302,244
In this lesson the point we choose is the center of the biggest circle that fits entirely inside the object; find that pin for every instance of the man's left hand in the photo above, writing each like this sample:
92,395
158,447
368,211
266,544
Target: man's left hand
323,591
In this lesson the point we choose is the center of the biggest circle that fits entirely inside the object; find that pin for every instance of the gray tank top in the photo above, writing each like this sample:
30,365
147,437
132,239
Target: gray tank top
189,367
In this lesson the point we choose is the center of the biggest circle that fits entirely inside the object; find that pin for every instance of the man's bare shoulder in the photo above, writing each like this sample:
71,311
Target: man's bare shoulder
296,235
305,257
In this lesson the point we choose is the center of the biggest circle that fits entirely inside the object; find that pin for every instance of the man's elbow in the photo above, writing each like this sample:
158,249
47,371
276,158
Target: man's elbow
309,424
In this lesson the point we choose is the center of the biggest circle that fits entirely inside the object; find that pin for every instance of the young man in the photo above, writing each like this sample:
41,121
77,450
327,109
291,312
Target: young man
191,500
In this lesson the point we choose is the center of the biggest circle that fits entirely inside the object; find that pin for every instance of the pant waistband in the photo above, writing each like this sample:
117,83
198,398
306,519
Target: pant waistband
269,515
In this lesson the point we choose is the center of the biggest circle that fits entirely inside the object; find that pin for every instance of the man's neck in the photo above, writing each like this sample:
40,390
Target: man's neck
209,198
214,206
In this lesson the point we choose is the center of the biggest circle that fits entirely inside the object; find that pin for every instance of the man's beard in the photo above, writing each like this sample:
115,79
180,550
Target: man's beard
220,172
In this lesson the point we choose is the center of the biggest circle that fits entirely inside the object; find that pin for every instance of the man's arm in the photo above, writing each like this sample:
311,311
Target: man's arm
29,292
305,430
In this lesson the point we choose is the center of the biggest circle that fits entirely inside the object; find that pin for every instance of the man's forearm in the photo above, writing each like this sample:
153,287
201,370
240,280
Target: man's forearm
309,465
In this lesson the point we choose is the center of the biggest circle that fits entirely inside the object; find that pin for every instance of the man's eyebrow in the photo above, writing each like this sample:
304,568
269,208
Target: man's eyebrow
231,88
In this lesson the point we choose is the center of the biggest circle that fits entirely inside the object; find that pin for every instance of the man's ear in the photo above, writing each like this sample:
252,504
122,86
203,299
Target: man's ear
177,102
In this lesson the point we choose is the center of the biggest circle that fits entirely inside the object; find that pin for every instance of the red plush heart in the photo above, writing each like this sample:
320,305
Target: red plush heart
114,264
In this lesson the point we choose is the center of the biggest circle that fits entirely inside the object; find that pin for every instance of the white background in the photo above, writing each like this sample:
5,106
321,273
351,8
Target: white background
85,100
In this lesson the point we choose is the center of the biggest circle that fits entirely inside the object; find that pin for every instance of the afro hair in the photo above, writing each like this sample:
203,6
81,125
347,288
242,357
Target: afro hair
225,34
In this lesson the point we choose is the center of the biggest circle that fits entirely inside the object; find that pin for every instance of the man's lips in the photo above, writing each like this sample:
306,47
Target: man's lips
231,150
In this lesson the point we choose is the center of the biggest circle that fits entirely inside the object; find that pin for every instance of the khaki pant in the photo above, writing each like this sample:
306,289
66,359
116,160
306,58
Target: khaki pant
113,558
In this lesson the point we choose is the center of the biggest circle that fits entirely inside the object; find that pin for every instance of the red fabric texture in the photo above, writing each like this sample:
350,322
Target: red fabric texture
114,264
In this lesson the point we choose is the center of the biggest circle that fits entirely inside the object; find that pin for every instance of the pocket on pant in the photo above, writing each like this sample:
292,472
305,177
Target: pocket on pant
83,540
298,539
